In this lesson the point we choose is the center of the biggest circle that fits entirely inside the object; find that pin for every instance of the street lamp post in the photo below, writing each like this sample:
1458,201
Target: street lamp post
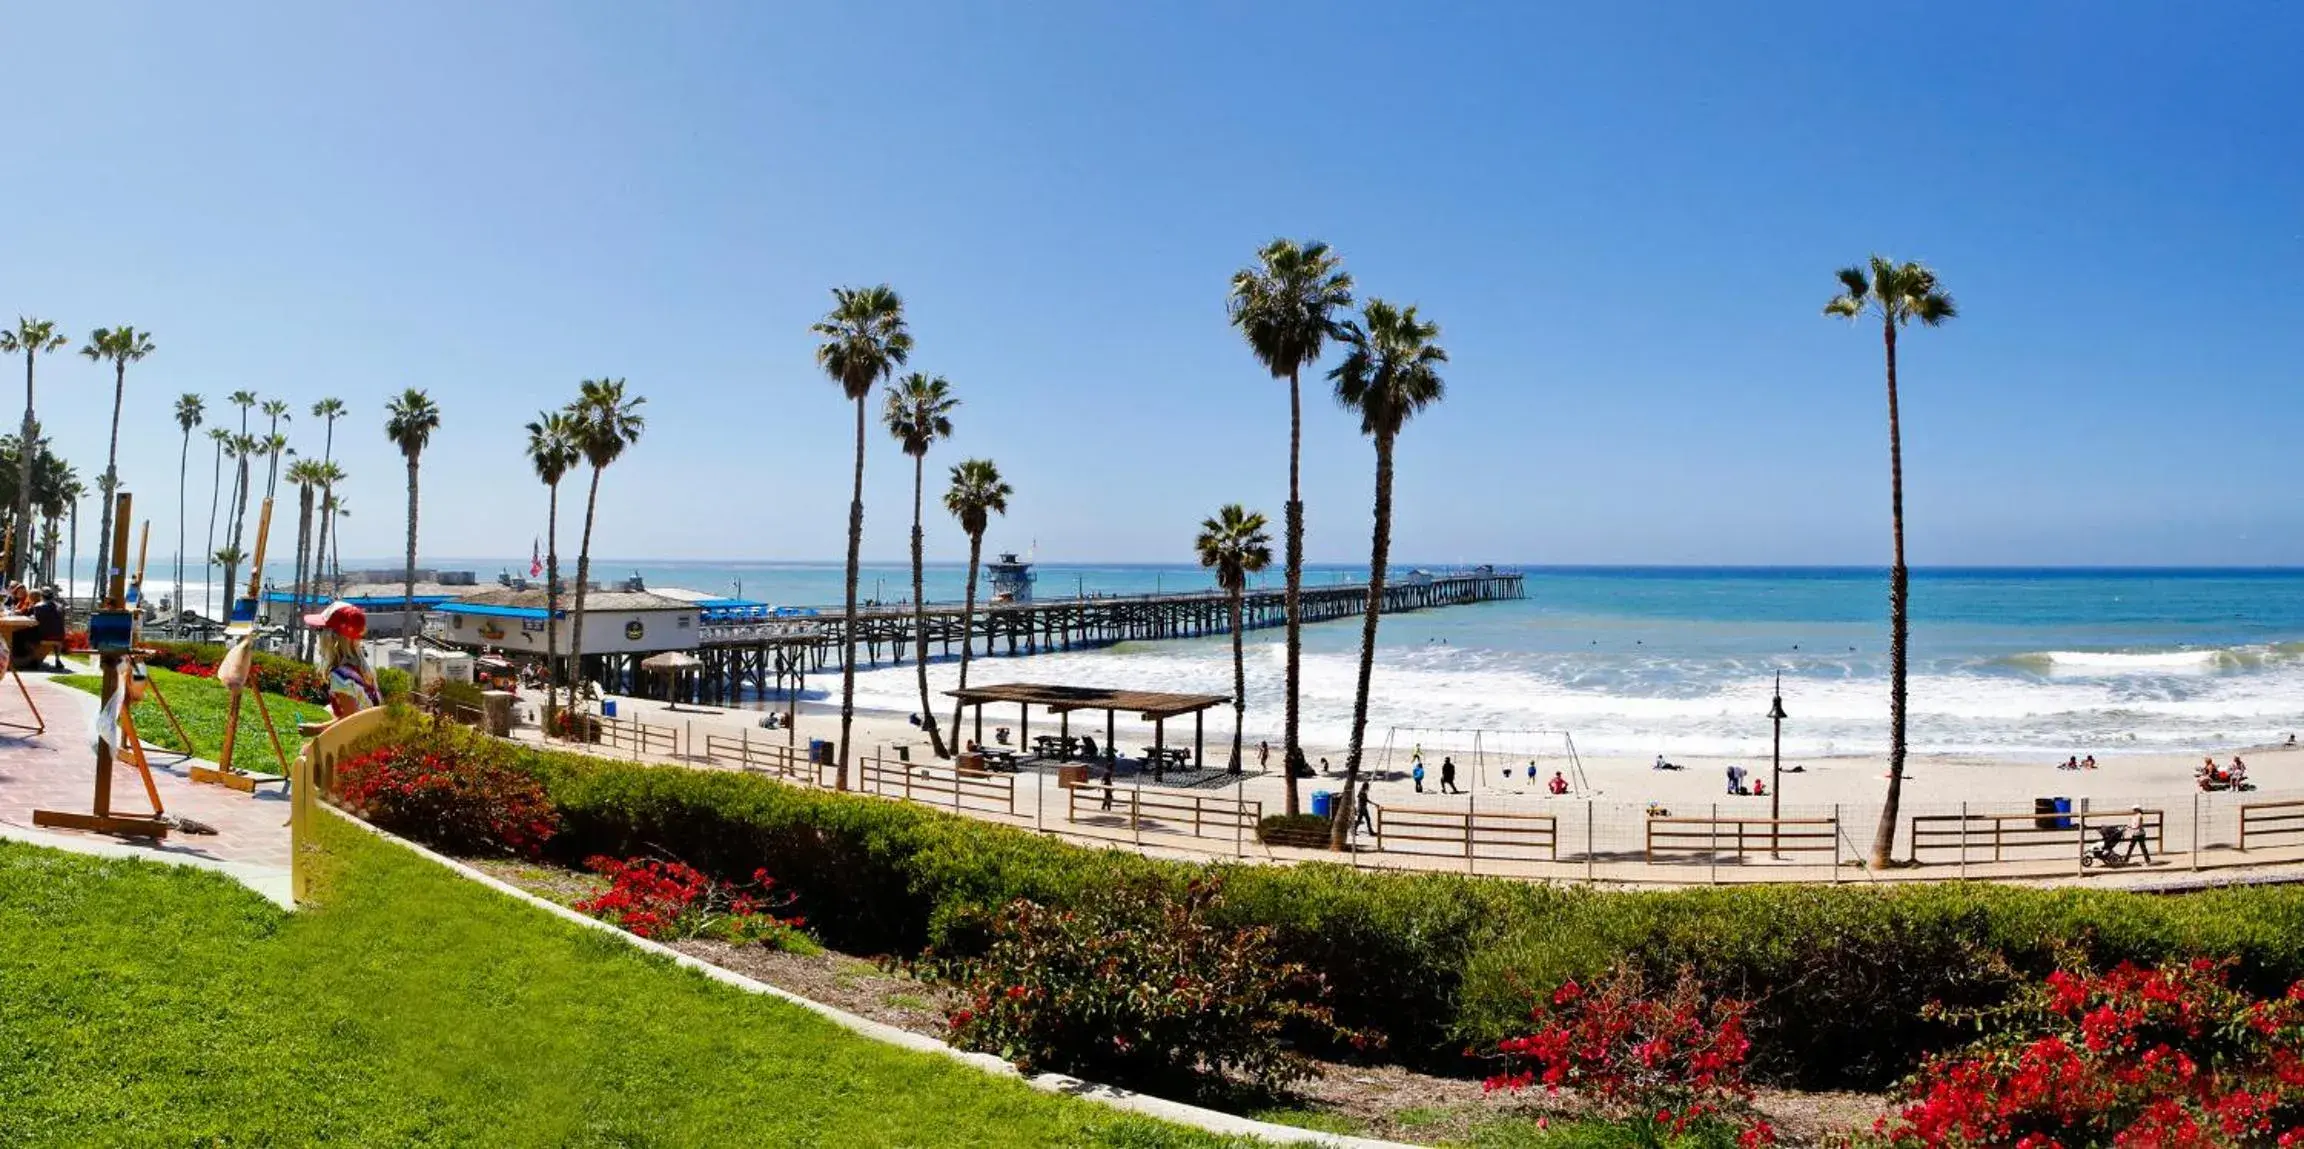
1776,717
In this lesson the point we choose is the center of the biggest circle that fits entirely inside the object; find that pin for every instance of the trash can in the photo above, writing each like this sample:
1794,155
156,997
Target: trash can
819,752
2064,806
608,708
903,754
1322,802
2043,813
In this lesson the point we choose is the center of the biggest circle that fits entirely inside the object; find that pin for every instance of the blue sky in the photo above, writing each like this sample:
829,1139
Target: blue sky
1625,218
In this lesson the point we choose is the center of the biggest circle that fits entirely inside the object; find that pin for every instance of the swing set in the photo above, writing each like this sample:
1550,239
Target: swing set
1475,749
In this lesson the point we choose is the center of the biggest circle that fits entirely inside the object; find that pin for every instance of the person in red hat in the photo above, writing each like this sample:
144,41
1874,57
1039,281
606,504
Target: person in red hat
351,684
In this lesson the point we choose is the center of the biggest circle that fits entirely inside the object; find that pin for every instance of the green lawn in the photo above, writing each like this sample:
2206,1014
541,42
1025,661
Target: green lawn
151,1004
199,704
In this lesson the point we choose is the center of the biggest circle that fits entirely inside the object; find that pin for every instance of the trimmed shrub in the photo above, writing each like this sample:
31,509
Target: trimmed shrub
1140,985
1838,979
667,901
450,793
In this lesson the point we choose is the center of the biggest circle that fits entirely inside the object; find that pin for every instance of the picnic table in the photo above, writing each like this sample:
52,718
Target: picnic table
1004,759
1174,755
1058,746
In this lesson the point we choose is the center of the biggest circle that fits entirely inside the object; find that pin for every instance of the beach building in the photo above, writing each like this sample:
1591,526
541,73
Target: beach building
380,594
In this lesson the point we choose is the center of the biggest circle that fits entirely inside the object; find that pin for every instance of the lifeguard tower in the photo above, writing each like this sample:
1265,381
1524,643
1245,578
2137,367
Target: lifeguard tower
1011,579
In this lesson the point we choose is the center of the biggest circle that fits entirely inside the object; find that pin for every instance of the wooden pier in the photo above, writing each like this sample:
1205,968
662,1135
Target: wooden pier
779,655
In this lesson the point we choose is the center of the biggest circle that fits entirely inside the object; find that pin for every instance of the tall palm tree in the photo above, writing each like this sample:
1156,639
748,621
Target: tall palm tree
1391,372
307,475
336,546
918,414
1234,544
223,440
274,443
1896,294
410,419
242,448
74,492
190,410
121,346
976,494
864,342
328,474
32,338
1285,308
328,410
553,449
606,422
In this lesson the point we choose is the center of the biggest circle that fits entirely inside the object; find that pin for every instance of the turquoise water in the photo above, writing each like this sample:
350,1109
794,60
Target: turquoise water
1679,660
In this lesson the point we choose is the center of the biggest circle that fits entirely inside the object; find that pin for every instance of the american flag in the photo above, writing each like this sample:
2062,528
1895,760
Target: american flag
535,558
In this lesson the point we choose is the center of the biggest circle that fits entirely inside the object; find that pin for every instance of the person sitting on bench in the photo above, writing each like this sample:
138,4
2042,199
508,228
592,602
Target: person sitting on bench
49,613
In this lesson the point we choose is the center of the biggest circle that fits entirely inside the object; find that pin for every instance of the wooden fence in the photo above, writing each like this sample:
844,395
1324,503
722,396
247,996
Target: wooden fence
1739,837
767,757
1221,815
2028,834
640,737
2271,822
1465,832
990,793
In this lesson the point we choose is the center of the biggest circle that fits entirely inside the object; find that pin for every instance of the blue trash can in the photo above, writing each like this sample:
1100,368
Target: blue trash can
608,707
2064,806
1322,802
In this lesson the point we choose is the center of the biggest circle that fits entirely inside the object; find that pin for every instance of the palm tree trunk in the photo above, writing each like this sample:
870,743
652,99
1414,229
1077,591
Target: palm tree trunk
327,515
72,561
583,580
24,471
183,463
303,542
848,627
551,603
920,614
1239,677
967,626
208,573
111,466
408,572
1379,550
1290,738
1884,841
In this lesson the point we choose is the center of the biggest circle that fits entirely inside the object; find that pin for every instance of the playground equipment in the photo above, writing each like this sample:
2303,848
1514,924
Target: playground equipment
1481,754
112,631
234,672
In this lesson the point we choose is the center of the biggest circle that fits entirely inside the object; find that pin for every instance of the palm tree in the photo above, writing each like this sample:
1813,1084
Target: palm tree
242,447
864,343
976,493
1895,293
554,451
190,410
122,346
223,439
410,419
73,493
308,475
606,422
328,410
917,413
336,546
274,443
32,338
1391,372
1235,545
327,475
1284,307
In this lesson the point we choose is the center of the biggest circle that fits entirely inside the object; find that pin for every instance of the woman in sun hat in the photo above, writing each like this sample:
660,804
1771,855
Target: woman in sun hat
351,685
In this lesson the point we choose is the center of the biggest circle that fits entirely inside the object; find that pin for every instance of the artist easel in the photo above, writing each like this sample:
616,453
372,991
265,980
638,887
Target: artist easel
39,723
139,671
242,627
112,631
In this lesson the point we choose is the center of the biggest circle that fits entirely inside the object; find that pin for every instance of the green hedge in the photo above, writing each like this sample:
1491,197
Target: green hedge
275,667
1440,963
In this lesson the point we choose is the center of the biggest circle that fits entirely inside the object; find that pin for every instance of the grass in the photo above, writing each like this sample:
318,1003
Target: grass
151,1004
199,703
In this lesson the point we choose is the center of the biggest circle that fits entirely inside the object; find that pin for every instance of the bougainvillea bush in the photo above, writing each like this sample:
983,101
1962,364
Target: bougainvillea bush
2143,1058
1139,986
667,901
463,796
1662,1063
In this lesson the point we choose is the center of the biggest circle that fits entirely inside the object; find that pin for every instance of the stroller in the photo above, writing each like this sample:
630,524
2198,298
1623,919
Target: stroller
2109,840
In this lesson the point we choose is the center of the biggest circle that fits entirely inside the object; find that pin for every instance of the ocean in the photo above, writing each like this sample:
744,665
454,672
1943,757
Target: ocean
1680,660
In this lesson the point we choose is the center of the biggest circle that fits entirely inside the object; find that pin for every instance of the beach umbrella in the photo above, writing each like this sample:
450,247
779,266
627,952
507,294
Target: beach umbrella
671,662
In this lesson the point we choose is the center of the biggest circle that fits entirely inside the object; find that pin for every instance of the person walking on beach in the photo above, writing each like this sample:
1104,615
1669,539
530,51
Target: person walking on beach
1448,777
1416,775
1363,820
1264,755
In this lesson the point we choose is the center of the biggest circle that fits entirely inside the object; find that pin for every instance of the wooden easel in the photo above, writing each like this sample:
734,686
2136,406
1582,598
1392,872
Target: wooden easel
102,820
139,659
224,773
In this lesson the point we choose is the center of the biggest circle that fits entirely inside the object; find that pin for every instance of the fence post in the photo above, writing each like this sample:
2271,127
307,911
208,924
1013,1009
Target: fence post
1963,841
2080,835
1835,843
1136,812
2195,831
1588,815
1039,804
1712,855
1471,806
691,737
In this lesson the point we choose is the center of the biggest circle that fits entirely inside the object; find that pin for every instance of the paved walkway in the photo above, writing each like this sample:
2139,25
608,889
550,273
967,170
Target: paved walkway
57,771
